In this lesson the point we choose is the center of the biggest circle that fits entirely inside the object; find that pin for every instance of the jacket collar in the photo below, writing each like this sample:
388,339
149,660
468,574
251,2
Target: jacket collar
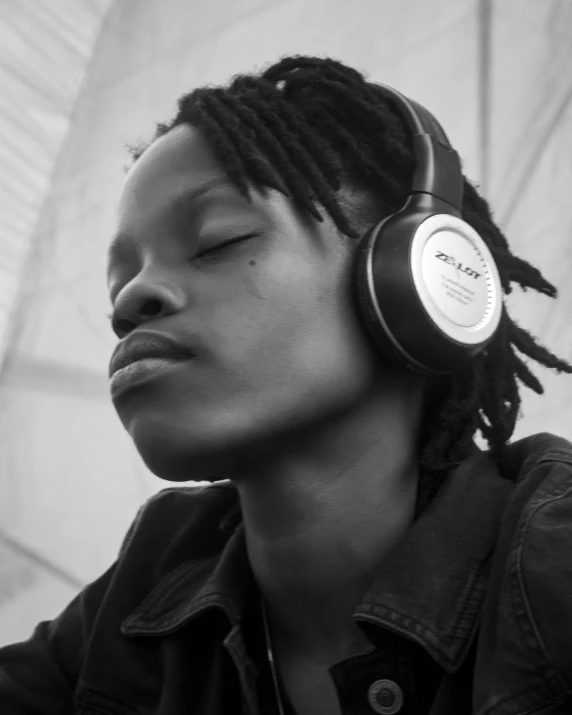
430,587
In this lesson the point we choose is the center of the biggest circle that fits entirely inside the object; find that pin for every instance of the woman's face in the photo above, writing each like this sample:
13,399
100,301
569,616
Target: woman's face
270,319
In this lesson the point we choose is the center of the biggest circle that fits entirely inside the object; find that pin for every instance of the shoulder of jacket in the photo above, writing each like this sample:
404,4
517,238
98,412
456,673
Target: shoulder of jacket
541,553
521,457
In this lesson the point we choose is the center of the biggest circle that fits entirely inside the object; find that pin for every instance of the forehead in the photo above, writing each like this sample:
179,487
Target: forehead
170,178
177,162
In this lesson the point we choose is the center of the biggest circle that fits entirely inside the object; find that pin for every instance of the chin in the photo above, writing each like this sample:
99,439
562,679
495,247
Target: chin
173,458
182,451
182,442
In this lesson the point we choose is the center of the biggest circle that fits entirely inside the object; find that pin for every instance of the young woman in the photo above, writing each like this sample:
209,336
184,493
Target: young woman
348,556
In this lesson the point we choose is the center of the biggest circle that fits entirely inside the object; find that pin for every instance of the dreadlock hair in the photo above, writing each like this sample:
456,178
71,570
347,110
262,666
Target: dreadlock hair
308,127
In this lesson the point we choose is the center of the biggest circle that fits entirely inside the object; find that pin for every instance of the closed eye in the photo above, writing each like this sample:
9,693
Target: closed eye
225,244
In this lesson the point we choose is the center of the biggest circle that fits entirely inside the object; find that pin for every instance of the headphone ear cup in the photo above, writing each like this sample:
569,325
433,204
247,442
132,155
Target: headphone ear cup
427,290
367,300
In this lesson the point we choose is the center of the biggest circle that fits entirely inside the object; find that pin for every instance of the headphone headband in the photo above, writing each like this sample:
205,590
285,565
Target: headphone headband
438,169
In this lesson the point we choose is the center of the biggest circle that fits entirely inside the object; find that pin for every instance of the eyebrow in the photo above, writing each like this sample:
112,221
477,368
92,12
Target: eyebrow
182,200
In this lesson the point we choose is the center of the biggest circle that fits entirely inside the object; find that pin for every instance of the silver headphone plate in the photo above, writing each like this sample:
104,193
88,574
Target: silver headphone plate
456,278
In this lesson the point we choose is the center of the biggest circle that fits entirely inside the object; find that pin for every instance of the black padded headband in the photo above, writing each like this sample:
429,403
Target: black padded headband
438,169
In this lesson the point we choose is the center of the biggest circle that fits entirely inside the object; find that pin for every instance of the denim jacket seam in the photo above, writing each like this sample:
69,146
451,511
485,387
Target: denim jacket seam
533,461
175,620
408,625
467,597
162,591
561,457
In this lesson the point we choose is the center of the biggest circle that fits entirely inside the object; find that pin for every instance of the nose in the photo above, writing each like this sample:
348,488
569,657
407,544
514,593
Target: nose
140,302
125,319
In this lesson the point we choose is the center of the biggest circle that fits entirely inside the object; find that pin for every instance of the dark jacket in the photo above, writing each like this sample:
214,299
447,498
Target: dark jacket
480,586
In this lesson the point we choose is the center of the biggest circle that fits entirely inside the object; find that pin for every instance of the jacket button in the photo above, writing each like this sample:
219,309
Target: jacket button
385,697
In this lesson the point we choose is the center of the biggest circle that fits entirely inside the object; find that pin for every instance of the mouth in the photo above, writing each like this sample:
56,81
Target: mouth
142,346
141,371
160,356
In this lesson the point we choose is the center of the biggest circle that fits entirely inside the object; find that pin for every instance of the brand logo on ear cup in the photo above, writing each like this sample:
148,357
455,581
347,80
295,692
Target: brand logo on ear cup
458,265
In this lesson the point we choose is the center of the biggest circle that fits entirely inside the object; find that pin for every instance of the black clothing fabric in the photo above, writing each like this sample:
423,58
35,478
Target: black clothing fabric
174,625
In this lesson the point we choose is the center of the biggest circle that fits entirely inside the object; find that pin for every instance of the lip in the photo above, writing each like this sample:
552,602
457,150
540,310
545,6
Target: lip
147,344
139,372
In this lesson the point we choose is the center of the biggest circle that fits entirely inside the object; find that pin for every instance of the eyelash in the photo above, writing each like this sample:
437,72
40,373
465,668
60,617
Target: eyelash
220,246
109,316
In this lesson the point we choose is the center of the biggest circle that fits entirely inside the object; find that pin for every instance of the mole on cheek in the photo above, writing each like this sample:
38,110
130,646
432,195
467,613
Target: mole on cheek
252,263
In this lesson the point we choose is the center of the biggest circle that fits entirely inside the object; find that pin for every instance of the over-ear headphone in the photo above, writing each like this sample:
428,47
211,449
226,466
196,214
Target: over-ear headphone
428,291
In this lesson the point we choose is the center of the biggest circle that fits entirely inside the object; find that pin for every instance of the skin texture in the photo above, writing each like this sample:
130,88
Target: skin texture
286,396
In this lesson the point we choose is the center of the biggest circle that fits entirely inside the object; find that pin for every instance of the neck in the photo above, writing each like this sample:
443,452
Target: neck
319,517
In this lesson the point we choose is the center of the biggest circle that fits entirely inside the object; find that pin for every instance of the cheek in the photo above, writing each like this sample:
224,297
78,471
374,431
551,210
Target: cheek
332,353
294,331
262,310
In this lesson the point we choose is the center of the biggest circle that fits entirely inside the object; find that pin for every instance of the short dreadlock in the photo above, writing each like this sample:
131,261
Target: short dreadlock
307,127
